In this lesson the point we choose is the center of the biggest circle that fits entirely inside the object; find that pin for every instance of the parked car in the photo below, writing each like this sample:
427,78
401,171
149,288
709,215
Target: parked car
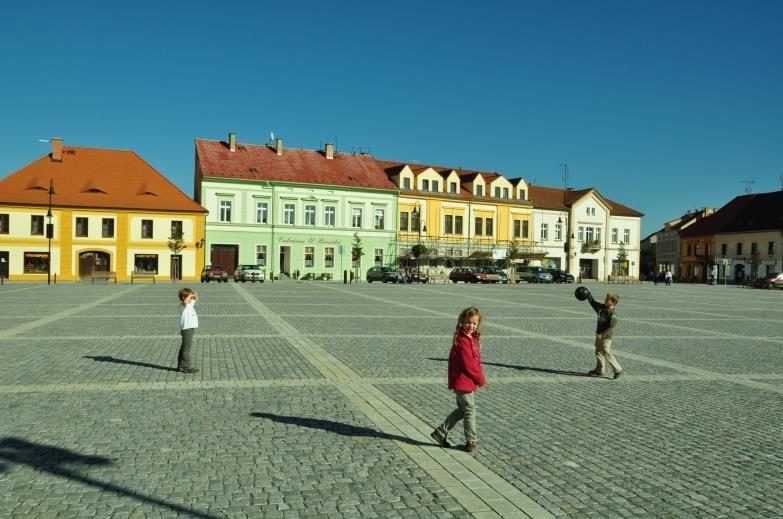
214,273
468,275
561,276
251,273
774,280
494,274
385,275
533,275
417,276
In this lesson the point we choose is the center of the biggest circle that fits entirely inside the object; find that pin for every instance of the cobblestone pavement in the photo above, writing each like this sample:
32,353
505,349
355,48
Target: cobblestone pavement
317,399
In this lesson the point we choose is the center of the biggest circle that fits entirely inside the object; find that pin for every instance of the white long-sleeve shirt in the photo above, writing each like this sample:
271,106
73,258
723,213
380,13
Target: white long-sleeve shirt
189,318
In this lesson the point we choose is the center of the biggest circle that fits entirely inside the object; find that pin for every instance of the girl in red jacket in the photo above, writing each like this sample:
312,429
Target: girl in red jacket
465,377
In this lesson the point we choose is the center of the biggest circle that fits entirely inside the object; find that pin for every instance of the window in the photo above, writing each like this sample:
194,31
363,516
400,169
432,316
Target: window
558,231
288,214
329,212
310,215
146,229
107,228
356,217
262,212
380,216
614,235
771,248
522,194
448,227
415,221
404,220
525,229
497,192
544,231
81,226
261,255
36,225
225,210
588,211
3,224
377,256
517,228
329,257
458,225
580,233
479,190
309,257
598,234
479,227
488,226
435,186
626,236
425,185
36,262
406,183
589,234
754,248
739,249
176,228
453,188
723,247
505,192
688,253
146,263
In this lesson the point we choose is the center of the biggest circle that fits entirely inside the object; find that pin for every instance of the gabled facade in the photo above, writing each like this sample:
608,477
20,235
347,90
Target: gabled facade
669,246
110,211
294,211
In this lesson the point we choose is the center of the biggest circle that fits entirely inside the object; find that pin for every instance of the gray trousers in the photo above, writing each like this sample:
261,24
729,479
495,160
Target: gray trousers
466,410
184,350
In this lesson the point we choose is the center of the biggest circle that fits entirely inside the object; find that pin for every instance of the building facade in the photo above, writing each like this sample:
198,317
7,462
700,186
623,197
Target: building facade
110,211
669,247
298,212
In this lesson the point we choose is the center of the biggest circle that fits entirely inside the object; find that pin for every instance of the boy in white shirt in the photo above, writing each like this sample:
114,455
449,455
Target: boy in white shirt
188,323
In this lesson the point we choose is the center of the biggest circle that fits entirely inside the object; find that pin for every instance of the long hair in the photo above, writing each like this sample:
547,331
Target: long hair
466,314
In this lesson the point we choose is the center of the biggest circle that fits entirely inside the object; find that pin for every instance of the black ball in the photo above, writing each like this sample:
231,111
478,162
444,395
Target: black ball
581,293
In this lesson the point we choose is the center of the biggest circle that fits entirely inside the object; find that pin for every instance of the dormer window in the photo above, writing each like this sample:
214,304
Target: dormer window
453,188
435,186
497,192
406,183
505,192
522,194
425,185
479,190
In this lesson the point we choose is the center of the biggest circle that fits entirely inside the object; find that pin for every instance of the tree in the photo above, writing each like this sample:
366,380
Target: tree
356,253
622,259
176,244
512,252
755,261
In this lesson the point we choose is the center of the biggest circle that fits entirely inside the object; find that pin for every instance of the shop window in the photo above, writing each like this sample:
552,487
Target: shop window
309,257
146,263
36,262
329,257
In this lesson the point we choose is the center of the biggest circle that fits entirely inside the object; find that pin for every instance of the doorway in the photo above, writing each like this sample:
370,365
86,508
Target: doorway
93,261
285,260
4,266
586,268
225,256
176,267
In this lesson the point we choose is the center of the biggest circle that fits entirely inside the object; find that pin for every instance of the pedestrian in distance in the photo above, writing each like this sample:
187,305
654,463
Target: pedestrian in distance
465,376
668,277
604,331
188,323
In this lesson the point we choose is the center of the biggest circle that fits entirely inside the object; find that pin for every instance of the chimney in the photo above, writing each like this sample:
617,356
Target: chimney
329,151
232,141
279,146
57,149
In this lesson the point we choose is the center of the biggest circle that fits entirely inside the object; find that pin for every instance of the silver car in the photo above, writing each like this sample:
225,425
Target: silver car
251,273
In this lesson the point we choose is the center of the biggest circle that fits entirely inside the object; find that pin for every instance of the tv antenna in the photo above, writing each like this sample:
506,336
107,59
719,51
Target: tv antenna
748,186
564,174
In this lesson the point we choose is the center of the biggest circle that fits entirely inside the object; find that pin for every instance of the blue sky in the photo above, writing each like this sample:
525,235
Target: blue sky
662,106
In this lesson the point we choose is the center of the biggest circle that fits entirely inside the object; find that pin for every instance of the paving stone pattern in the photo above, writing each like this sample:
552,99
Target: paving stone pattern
317,399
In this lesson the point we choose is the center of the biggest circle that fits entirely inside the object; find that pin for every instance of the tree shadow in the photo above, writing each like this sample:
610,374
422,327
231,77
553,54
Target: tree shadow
60,462
528,368
340,428
108,358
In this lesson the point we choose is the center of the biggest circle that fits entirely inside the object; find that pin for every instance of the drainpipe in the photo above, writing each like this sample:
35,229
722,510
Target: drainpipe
272,242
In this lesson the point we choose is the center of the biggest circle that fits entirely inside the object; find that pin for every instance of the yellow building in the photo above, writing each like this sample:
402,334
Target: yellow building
109,211
459,215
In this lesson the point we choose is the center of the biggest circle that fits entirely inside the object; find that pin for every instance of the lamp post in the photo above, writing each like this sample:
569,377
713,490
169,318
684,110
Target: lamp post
49,234
569,237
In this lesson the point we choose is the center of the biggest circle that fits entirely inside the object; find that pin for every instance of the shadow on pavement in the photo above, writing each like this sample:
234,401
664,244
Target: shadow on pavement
56,461
108,358
527,368
343,429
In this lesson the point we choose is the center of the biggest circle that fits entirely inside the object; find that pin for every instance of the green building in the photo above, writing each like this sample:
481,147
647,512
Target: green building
293,211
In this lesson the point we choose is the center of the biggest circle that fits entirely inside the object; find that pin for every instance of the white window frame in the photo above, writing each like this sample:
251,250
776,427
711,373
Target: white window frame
544,236
377,255
558,231
627,236
356,217
289,214
262,212
614,234
380,218
330,213
226,206
261,255
328,257
580,233
309,215
309,250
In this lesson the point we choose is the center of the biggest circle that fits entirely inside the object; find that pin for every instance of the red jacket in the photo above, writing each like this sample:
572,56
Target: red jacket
465,373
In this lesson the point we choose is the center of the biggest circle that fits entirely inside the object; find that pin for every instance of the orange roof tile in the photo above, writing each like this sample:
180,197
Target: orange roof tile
92,177
252,162
560,199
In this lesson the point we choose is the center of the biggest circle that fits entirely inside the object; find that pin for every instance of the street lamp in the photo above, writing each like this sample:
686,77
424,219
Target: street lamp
567,245
49,234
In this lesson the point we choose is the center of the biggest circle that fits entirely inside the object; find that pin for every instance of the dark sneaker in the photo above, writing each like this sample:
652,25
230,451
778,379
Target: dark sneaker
470,447
187,370
439,438
618,374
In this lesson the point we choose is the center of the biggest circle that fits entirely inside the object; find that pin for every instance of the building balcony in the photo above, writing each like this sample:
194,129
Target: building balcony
591,246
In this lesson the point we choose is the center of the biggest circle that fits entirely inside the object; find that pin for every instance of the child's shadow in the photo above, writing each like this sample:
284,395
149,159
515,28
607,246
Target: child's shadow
108,358
343,429
528,368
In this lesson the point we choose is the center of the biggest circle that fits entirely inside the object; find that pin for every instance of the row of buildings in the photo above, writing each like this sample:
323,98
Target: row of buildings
742,240
309,213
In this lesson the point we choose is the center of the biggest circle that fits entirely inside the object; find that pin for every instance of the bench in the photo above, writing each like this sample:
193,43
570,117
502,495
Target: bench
622,279
142,275
103,274
439,278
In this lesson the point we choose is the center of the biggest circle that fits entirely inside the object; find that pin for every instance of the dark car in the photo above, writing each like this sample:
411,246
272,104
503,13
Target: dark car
385,275
214,273
561,276
769,281
470,275
417,276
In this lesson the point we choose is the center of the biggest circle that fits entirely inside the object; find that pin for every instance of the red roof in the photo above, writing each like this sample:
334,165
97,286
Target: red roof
561,199
252,162
745,213
92,177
